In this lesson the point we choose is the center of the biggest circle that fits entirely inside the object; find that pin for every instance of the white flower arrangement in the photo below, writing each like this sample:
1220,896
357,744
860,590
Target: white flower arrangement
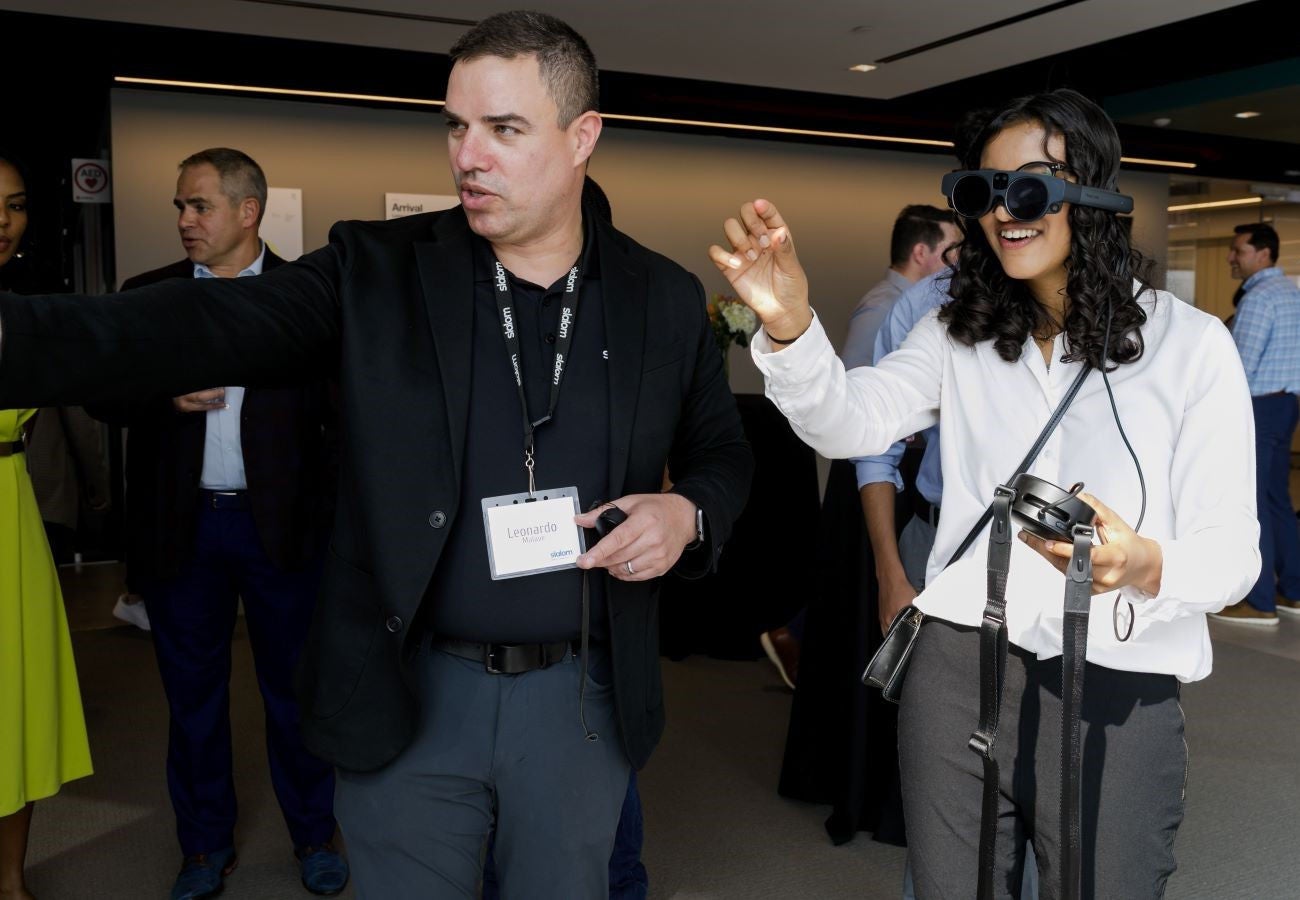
733,322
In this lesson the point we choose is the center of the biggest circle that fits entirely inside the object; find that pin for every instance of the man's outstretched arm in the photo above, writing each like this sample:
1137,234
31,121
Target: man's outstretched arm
171,338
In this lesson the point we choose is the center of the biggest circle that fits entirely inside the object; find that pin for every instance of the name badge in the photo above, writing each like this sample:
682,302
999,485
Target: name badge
532,533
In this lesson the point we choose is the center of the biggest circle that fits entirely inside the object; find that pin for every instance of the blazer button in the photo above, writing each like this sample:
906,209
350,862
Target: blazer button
438,519
394,624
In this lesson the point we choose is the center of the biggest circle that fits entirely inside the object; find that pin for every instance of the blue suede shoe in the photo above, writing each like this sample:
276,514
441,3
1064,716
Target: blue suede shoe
201,876
324,872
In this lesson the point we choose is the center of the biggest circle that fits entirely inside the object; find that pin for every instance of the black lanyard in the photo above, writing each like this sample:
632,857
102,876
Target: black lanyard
563,341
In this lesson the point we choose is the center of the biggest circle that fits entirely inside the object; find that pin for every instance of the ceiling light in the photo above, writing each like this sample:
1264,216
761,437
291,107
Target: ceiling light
1214,204
1141,161
1246,114
773,129
322,95
863,67
649,120
1162,121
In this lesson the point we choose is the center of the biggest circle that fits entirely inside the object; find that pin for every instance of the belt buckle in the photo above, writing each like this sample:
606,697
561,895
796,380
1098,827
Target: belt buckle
490,660
213,495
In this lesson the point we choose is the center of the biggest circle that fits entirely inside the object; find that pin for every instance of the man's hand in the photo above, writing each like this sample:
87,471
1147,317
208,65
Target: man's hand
658,528
895,593
764,270
1125,557
201,401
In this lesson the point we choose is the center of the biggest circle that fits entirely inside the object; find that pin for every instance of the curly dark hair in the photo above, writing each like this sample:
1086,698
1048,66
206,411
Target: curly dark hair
1101,267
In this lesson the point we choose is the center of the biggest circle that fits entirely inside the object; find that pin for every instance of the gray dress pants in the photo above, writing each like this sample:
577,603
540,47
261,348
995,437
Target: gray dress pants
1133,784
503,750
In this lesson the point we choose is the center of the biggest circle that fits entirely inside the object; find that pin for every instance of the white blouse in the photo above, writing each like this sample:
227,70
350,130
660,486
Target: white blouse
1185,407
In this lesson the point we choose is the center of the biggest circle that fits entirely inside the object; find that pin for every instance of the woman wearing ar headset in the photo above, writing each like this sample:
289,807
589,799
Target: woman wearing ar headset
1047,282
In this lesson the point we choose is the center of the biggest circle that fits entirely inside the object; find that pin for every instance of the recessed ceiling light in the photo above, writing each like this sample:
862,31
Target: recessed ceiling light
1215,204
1247,114
863,67
1292,173
1162,121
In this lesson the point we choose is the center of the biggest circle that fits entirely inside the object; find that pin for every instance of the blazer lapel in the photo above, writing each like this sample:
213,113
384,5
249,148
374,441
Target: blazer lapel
625,293
446,267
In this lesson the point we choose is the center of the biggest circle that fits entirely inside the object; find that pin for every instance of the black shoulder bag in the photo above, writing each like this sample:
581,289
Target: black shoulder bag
888,664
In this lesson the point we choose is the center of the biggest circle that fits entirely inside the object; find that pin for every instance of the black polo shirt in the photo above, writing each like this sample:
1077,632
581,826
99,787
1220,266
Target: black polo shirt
572,449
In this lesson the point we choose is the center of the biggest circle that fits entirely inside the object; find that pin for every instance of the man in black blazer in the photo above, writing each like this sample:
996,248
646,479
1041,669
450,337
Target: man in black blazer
228,493
451,700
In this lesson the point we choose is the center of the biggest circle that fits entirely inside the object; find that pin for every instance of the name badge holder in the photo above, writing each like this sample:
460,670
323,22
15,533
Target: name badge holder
533,532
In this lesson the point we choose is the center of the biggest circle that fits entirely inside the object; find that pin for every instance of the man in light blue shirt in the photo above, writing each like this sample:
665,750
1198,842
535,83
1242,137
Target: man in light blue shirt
229,497
921,238
1267,332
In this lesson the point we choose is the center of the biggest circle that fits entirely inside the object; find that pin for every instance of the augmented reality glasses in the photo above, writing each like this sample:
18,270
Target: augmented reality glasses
1029,193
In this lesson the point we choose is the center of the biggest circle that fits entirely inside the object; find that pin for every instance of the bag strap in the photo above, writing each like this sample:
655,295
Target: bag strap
1028,460
1074,652
993,657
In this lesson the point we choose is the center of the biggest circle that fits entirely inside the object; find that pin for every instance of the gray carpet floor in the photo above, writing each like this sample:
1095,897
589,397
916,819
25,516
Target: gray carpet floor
715,827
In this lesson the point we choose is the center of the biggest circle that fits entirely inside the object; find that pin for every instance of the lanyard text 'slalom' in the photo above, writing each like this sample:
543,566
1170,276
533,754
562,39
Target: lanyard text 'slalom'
563,342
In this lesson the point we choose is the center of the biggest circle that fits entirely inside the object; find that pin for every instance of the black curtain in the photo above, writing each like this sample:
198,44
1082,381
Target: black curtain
842,745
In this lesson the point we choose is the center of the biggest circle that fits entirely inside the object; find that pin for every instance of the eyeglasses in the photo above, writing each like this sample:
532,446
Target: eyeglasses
1029,193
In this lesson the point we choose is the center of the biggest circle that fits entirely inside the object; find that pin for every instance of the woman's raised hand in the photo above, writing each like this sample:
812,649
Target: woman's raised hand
764,270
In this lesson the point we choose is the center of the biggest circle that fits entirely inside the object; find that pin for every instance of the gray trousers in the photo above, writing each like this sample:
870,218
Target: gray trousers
503,751
1134,772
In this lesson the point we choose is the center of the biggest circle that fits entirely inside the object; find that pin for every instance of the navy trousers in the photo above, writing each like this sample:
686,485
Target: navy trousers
1279,534
193,619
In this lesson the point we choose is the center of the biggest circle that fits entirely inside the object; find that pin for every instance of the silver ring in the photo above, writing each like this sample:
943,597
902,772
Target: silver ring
628,565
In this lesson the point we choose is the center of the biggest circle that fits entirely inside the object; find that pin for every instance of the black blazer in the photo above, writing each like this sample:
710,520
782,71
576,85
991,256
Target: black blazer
388,306
289,441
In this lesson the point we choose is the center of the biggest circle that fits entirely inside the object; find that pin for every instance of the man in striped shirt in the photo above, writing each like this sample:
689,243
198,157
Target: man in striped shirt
1267,332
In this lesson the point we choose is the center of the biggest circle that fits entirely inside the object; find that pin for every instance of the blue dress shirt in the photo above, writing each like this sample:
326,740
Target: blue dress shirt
869,316
910,308
1267,333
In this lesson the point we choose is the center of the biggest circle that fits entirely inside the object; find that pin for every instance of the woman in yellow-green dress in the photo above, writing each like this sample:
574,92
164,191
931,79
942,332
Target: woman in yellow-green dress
42,730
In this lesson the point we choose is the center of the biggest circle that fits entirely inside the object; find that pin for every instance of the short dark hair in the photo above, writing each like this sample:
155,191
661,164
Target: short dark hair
917,224
241,176
1262,237
568,67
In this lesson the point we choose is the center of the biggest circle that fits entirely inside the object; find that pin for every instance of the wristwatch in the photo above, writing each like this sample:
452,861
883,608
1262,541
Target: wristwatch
699,529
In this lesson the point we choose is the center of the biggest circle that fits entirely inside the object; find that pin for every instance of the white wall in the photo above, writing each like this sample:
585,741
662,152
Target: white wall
669,191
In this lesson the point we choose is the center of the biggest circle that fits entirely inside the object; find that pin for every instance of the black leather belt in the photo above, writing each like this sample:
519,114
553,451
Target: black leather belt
507,659
225,499
12,449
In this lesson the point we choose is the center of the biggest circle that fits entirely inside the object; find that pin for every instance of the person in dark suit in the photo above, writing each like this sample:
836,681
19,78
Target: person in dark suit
450,700
228,493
